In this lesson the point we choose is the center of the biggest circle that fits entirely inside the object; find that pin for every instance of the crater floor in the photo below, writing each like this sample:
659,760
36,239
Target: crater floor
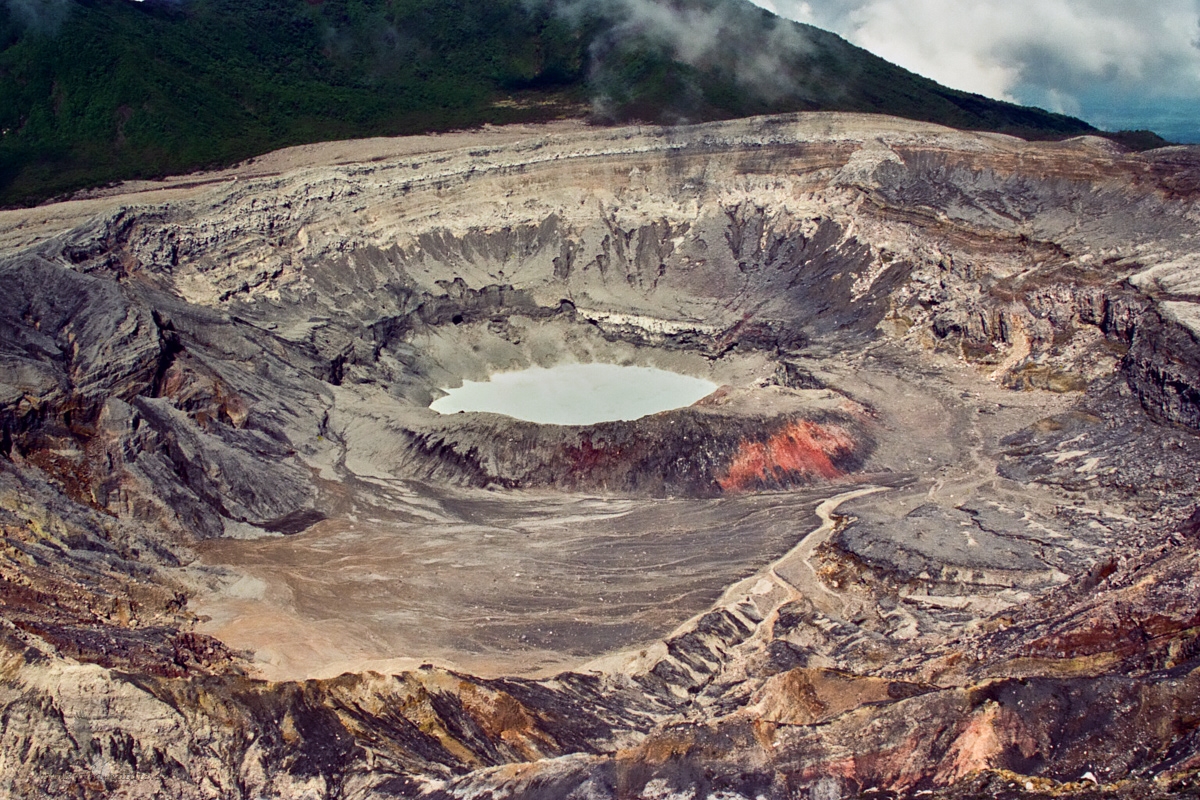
492,586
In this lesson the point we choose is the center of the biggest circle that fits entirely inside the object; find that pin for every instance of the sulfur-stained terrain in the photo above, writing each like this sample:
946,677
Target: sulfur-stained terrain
936,534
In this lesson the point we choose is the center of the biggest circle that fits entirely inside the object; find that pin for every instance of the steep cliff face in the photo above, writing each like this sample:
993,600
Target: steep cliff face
985,350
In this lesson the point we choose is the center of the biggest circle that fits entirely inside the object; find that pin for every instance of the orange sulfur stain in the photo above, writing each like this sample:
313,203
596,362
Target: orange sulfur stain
801,450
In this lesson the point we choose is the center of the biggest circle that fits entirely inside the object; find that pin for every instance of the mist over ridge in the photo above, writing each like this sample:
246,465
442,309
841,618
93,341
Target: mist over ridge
1117,65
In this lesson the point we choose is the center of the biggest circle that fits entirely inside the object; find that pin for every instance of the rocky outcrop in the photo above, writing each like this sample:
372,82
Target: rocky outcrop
1164,363
689,453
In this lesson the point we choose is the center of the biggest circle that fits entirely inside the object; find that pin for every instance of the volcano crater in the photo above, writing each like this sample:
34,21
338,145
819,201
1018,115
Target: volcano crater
954,431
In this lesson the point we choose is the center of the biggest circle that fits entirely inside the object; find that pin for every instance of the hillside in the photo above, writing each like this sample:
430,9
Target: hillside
93,91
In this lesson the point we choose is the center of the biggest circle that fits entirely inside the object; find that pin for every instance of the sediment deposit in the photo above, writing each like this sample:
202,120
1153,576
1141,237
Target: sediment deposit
936,533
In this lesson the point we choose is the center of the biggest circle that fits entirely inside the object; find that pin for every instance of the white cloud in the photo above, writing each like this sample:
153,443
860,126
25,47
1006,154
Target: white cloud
41,15
699,35
1077,56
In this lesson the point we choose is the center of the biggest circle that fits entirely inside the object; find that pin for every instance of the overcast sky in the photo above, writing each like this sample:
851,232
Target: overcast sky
1115,63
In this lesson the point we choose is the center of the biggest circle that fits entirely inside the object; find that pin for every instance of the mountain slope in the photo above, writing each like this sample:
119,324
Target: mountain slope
103,90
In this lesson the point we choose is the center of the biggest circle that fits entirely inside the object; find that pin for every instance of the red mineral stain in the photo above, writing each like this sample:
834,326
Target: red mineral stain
895,768
801,450
587,457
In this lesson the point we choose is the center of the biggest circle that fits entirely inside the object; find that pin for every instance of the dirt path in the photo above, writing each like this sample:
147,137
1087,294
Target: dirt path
803,580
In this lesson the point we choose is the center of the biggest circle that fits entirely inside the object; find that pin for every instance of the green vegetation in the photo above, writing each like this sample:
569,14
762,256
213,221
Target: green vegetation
124,89
115,89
